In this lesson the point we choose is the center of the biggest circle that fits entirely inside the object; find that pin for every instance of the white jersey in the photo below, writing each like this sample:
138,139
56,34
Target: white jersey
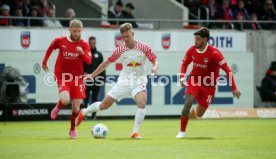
133,60
132,79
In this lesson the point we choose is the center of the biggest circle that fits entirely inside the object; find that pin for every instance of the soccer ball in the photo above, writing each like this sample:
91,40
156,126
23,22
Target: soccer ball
99,131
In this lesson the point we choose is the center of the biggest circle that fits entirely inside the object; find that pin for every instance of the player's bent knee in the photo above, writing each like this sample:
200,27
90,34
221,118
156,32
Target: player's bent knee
141,104
198,116
65,101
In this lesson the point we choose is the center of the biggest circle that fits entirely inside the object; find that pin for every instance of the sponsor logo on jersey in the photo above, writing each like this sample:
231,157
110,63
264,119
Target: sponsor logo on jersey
118,39
200,65
133,64
25,39
70,54
166,40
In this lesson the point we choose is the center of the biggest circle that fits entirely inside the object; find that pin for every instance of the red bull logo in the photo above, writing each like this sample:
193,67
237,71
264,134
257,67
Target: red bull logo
166,40
134,64
118,39
25,39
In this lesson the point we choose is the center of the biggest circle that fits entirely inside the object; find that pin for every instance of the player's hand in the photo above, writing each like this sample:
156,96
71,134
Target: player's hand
236,93
154,70
182,82
45,68
80,50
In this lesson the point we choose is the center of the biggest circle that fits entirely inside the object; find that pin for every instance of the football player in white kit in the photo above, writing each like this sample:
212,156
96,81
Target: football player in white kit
132,79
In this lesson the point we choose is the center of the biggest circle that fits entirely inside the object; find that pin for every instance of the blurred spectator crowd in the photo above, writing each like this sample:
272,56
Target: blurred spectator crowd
118,11
43,8
32,8
240,10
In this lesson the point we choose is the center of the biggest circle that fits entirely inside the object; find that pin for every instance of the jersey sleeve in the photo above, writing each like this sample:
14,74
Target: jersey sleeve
53,46
116,53
149,53
87,53
218,57
185,63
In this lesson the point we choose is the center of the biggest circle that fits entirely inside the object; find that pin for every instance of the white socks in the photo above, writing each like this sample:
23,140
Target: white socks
94,107
139,118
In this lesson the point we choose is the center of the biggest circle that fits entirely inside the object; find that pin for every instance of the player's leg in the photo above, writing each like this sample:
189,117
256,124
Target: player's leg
189,100
204,99
94,107
118,92
75,112
77,93
141,100
200,110
64,101
97,106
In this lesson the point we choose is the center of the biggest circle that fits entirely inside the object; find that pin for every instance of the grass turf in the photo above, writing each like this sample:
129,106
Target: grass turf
205,139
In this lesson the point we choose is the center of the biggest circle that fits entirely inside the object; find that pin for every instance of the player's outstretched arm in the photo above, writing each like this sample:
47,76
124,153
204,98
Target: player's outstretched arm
48,54
236,93
185,63
99,70
224,66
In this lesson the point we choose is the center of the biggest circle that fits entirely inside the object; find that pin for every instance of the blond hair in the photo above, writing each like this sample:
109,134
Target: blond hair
125,27
76,23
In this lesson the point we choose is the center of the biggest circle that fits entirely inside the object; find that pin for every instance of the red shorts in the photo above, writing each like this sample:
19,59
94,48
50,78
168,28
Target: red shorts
76,90
203,94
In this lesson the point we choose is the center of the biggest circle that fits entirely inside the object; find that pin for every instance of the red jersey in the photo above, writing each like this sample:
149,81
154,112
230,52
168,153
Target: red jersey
69,60
206,63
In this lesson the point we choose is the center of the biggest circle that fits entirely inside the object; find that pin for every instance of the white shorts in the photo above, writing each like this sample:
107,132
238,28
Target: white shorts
124,87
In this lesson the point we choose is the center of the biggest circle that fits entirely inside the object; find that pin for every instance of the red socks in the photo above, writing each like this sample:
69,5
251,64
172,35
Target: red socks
73,115
59,104
184,123
72,118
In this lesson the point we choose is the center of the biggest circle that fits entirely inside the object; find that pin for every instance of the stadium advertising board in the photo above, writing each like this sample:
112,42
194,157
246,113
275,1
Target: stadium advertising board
39,112
160,41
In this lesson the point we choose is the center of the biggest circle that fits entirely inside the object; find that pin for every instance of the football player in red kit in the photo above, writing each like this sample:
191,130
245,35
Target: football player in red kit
73,51
201,84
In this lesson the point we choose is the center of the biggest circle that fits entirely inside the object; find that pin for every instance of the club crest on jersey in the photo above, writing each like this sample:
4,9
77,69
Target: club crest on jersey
166,40
205,60
118,39
25,39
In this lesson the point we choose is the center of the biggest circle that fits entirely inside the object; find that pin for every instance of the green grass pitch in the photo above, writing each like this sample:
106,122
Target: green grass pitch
205,139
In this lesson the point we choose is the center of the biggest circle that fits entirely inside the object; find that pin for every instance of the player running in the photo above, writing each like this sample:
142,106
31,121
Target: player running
132,79
73,51
207,60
